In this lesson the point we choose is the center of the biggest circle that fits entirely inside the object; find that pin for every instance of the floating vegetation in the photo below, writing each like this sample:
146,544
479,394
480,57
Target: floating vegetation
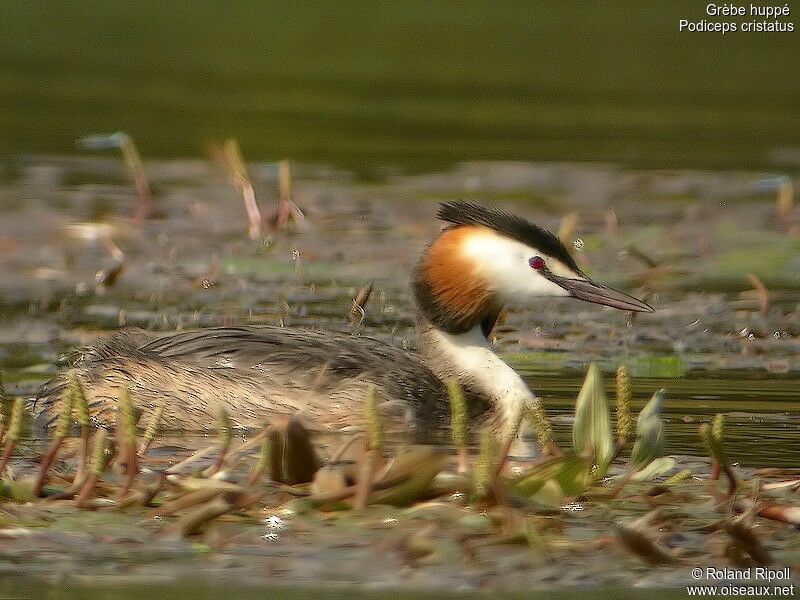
482,499
285,504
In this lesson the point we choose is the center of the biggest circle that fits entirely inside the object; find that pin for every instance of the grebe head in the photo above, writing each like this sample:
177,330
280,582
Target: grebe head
487,258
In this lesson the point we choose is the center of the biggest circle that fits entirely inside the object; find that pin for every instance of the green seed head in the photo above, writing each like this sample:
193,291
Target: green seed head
540,423
684,475
79,399
17,418
711,436
224,427
128,416
718,427
483,465
5,401
65,418
624,420
374,423
152,427
99,452
459,418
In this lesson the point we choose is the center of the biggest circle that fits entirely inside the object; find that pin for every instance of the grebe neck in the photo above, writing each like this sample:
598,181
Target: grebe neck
469,358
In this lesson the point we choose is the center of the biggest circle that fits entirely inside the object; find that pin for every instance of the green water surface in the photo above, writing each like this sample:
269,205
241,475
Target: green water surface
415,84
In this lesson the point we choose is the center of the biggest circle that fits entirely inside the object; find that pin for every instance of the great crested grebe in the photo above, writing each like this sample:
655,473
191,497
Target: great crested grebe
484,259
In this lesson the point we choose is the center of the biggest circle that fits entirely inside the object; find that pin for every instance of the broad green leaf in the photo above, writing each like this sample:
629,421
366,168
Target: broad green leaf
591,432
649,432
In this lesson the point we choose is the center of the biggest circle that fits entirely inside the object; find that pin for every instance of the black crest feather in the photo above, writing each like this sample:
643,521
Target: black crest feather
512,226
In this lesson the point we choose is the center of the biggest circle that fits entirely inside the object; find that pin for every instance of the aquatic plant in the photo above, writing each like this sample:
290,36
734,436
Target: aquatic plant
649,442
60,432
192,499
624,397
126,439
679,477
264,460
459,422
5,403
98,466
224,436
237,170
358,311
541,426
591,431
712,438
82,416
133,161
287,210
375,434
14,432
483,471
152,429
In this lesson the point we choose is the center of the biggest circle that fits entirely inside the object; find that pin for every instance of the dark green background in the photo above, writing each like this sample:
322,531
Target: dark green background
413,84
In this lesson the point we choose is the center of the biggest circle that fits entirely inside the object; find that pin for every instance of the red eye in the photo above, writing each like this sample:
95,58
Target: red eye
537,262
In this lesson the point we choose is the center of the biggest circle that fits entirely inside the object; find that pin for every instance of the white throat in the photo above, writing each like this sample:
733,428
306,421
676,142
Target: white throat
470,359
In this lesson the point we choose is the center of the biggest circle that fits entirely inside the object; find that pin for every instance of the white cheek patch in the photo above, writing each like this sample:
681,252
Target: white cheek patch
503,263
